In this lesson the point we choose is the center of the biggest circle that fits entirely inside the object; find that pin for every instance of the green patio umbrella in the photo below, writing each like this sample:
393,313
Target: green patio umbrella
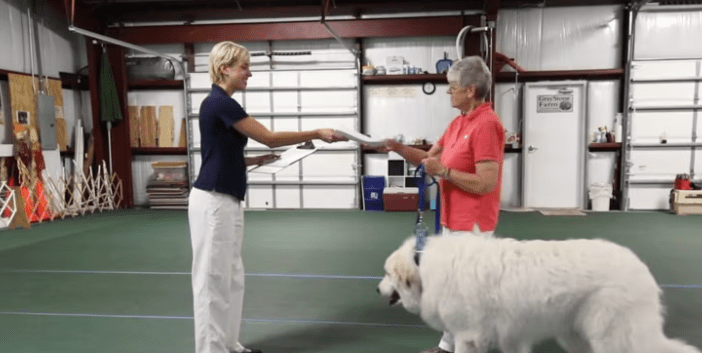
109,101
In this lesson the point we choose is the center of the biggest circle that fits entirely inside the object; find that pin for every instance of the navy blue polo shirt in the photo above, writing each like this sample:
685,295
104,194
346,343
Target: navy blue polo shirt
223,167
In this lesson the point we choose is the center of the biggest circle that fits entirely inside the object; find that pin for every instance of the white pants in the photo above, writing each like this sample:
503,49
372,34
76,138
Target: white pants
216,232
447,342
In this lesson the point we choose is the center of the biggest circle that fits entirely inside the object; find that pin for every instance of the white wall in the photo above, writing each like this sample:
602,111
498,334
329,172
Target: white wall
568,38
322,166
665,46
669,34
561,38
61,50
57,50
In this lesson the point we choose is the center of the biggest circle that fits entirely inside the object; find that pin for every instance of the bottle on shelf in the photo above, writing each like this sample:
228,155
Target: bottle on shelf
618,127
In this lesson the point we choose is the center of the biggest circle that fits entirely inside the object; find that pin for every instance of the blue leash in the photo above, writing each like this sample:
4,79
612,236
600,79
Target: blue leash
420,230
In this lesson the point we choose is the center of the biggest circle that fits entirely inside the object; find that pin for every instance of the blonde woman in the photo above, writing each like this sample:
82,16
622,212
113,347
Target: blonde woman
215,213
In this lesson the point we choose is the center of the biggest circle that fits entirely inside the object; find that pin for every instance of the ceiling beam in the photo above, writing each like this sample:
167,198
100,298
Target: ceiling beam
491,8
250,32
206,11
80,19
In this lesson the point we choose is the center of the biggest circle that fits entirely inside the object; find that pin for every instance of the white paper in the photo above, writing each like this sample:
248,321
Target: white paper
356,136
286,159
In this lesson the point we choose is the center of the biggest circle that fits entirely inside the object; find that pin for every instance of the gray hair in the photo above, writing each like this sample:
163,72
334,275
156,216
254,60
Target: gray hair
471,70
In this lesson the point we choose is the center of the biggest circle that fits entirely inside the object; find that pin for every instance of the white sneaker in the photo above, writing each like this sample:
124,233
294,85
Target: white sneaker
247,350
241,349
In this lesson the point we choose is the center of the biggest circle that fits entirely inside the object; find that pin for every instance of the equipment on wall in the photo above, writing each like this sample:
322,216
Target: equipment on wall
150,68
485,44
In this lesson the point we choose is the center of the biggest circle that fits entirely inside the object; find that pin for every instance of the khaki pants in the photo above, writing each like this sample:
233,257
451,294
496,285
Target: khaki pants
216,232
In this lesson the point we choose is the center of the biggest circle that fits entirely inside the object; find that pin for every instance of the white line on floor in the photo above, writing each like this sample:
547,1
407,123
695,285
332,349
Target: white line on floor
284,275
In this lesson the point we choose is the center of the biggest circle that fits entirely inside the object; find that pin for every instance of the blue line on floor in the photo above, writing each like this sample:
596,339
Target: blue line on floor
302,275
267,321
293,321
101,272
282,275
686,286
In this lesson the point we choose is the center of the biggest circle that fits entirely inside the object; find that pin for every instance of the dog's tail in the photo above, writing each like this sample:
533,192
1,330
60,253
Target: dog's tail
676,346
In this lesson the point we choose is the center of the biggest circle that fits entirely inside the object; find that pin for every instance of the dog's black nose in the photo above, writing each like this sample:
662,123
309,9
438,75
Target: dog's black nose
377,290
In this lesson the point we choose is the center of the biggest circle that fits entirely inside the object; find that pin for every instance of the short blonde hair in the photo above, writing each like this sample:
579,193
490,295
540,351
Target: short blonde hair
471,70
225,53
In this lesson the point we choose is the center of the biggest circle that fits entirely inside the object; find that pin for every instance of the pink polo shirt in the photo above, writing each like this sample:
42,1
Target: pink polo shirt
478,136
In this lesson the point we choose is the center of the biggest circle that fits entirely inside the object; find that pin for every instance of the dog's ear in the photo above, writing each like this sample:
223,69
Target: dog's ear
414,279
406,273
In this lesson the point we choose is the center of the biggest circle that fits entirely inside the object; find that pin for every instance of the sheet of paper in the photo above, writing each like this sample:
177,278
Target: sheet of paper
286,159
359,137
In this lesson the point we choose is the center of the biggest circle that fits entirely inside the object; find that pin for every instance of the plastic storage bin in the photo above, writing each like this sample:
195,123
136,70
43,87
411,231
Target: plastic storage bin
687,202
600,195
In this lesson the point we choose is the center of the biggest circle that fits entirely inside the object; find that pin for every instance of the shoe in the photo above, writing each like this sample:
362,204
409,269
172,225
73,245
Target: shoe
248,350
435,350
241,349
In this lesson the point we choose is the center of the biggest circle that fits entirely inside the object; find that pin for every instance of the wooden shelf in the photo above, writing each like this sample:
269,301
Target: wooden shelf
162,151
605,147
74,81
532,76
69,152
67,83
403,79
529,76
155,84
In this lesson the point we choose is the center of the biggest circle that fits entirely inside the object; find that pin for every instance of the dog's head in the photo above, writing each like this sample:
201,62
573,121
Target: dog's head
402,283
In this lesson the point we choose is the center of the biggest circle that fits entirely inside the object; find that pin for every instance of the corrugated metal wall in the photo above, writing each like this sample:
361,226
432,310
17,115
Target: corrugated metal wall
538,38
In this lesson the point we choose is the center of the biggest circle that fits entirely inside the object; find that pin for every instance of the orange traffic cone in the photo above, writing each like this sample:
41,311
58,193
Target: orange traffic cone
28,204
43,211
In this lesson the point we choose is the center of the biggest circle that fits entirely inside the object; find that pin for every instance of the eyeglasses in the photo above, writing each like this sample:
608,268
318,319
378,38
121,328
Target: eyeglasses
454,87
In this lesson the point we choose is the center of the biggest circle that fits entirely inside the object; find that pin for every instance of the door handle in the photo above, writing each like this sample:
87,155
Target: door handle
531,148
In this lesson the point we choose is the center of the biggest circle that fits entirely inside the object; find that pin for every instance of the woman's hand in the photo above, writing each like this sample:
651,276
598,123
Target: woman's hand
330,135
387,146
266,158
433,166
392,145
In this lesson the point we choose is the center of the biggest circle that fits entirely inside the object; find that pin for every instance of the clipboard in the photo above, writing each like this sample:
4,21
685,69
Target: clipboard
359,137
286,159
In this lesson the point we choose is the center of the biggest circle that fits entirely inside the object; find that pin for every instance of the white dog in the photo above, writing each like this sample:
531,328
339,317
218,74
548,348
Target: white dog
592,296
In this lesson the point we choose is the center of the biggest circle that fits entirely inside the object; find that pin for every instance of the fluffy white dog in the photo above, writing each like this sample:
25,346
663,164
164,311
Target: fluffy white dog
592,296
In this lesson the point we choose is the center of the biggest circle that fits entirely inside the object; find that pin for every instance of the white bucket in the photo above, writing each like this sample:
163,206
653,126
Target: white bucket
600,195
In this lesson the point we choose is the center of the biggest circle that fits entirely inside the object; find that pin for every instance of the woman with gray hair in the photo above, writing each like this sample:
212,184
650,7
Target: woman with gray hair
215,212
468,158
